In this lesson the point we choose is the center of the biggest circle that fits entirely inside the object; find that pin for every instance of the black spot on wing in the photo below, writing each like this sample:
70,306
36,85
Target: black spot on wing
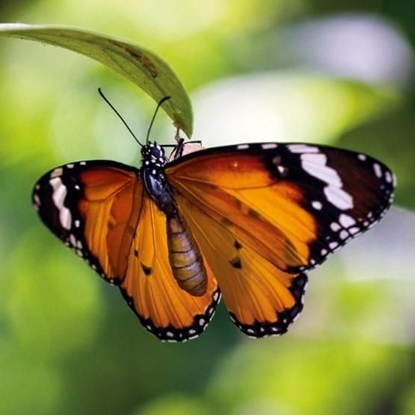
226,222
237,245
147,270
236,262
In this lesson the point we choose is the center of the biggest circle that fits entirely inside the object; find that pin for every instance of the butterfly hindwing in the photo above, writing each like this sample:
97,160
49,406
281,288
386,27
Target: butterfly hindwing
149,287
262,300
101,211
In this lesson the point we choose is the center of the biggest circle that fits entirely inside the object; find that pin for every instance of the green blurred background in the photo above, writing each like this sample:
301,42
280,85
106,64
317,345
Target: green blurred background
257,70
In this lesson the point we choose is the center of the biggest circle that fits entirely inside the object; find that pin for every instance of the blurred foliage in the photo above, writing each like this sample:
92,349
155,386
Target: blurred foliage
140,66
309,70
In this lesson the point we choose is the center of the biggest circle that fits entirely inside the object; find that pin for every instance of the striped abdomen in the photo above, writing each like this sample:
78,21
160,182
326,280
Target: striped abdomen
185,259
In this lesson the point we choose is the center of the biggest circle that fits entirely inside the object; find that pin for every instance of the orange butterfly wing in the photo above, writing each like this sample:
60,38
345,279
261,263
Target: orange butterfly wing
263,213
100,209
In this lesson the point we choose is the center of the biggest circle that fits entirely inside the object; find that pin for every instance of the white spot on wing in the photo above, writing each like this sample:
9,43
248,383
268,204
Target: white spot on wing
281,169
338,197
72,240
56,173
378,170
36,198
58,197
346,221
269,146
334,226
315,165
344,235
242,146
65,218
59,192
302,148
316,205
333,245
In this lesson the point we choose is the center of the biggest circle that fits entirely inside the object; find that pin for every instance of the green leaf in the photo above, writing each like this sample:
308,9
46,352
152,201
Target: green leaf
145,69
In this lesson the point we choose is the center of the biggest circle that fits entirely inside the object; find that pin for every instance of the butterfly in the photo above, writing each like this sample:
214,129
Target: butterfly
242,221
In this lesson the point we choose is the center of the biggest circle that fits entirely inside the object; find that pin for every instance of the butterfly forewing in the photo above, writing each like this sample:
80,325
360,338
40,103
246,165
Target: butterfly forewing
93,208
292,203
100,210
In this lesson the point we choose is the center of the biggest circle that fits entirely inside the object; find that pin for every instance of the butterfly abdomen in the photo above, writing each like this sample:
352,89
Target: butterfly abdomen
185,258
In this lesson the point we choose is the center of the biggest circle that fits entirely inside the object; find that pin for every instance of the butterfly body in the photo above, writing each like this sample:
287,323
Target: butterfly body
184,256
249,219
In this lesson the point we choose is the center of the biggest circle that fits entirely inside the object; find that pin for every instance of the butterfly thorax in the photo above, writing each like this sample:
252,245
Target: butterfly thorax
152,176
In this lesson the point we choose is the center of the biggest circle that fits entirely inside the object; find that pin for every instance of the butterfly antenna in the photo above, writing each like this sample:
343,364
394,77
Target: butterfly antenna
154,116
119,115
